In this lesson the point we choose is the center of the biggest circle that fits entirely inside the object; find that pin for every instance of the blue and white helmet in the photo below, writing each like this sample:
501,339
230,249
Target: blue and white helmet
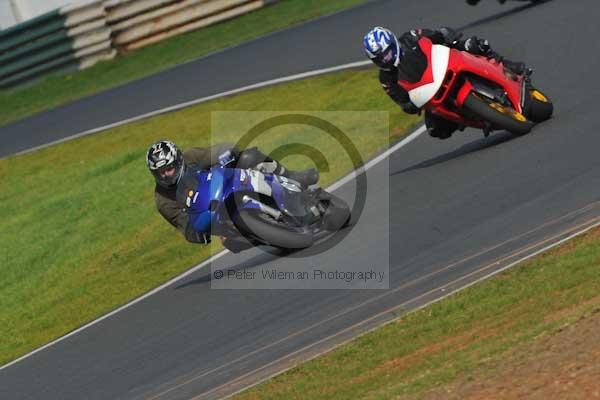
381,46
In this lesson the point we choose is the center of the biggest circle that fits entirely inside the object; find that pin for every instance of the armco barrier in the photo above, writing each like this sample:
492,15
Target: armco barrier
68,38
77,37
139,23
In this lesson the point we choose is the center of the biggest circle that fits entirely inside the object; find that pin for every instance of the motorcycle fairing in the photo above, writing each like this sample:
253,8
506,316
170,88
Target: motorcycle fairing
447,82
207,191
420,93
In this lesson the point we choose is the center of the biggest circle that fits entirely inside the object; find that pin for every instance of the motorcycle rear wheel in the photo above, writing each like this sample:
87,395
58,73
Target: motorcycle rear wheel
500,116
337,214
540,107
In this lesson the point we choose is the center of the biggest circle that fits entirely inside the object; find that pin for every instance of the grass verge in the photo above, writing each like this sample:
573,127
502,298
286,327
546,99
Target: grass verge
59,89
450,340
79,231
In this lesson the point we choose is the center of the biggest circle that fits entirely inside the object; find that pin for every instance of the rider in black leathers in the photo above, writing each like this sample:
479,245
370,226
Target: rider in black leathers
168,163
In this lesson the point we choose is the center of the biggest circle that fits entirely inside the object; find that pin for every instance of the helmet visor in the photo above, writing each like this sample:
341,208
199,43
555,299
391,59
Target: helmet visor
168,175
387,58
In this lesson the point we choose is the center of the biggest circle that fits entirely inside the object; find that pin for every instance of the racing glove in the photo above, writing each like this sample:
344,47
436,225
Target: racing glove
451,36
480,47
410,108
196,237
226,158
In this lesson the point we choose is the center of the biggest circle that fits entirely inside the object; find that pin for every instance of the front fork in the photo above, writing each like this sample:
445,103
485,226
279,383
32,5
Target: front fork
276,214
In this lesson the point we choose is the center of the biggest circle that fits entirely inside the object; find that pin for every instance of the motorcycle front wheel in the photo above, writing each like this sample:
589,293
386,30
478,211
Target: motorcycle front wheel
500,116
272,232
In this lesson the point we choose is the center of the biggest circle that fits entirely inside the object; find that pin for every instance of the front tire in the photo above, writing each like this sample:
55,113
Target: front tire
272,232
501,117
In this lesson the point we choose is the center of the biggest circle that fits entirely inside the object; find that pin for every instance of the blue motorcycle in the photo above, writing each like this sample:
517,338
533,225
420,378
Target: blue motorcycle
249,208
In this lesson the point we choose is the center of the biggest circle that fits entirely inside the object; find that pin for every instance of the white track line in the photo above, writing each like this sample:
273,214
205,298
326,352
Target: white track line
378,159
403,315
332,187
123,307
190,103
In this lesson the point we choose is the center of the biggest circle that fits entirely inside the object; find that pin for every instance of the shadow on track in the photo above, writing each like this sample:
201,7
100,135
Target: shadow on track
501,15
257,260
477,145
267,255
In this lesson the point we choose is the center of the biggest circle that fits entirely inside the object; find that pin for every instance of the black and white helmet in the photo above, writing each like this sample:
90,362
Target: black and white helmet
165,161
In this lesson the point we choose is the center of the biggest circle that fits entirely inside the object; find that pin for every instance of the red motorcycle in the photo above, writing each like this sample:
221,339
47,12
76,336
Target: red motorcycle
477,92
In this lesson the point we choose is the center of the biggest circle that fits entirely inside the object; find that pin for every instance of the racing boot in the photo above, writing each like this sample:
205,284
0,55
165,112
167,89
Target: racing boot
253,158
306,177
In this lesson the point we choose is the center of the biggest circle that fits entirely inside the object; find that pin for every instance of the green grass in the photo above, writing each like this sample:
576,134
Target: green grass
55,90
80,234
452,338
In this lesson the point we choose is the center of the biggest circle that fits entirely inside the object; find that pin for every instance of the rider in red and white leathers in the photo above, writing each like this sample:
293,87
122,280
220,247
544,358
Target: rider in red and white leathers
402,59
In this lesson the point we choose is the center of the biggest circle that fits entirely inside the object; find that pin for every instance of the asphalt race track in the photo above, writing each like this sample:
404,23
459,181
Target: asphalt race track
458,209
327,42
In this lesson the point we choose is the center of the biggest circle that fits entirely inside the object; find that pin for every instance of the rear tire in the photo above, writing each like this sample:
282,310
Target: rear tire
540,106
271,232
499,116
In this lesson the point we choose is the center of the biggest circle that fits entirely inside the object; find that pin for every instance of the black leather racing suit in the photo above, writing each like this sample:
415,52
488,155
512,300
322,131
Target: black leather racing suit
173,210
